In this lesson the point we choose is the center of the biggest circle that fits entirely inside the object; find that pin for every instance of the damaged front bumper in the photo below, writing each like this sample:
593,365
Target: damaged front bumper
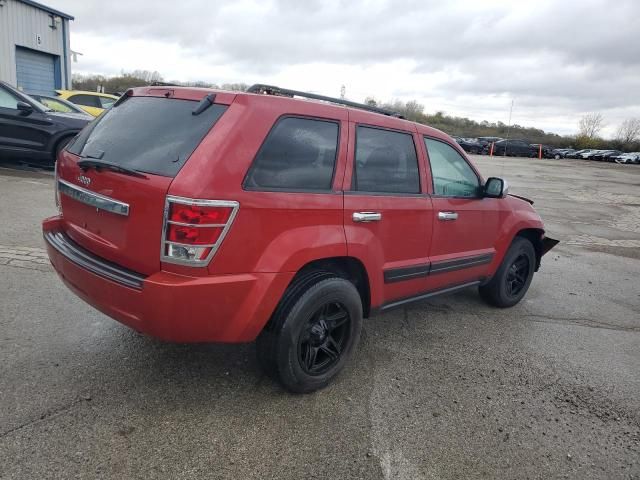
547,244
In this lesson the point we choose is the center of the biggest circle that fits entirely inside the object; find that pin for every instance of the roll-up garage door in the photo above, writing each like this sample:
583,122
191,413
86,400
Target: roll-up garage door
35,71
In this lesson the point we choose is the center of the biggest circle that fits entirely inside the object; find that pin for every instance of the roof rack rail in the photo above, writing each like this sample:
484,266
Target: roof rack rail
285,92
156,83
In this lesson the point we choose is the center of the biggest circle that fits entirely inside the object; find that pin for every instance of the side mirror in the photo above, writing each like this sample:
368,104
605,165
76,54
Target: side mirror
496,188
24,108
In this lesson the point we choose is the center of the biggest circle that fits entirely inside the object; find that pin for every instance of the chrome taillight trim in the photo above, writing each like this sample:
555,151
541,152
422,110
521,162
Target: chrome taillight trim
203,245
182,224
214,248
56,190
93,199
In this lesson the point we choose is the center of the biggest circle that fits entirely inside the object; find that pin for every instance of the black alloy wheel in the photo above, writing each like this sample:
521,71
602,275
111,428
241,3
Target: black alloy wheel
517,276
323,338
512,279
312,333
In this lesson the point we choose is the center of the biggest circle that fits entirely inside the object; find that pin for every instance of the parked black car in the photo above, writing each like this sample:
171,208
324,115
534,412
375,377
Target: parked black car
590,154
546,150
578,153
488,140
469,145
559,153
512,148
29,129
606,155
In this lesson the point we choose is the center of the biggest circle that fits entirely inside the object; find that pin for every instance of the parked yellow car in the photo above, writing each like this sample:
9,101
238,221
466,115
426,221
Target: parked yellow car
91,102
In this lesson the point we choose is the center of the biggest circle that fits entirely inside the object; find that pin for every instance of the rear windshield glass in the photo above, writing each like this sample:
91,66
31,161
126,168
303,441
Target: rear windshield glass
148,134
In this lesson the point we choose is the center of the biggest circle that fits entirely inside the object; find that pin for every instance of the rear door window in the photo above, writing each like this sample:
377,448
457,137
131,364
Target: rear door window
106,102
85,100
298,154
385,162
149,134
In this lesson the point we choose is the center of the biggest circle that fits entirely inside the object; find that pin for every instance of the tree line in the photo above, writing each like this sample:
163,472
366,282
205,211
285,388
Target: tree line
588,135
139,78
590,126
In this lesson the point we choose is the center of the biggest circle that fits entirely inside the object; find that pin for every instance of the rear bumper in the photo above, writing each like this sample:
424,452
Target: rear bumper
223,308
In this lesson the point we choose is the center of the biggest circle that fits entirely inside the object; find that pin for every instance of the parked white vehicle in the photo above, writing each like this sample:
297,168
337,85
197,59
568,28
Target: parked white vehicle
633,157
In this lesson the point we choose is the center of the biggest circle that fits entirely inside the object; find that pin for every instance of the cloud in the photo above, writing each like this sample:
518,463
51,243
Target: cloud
557,59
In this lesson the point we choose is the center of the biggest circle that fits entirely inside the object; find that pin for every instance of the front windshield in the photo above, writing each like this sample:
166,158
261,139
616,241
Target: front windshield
40,105
55,106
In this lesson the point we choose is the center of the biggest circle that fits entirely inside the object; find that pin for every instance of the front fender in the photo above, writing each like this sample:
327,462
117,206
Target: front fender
521,217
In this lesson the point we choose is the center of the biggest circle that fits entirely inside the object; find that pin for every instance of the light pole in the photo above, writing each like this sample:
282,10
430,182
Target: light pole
506,144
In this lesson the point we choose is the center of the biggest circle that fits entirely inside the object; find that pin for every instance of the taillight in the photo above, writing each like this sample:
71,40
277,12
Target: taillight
194,229
199,214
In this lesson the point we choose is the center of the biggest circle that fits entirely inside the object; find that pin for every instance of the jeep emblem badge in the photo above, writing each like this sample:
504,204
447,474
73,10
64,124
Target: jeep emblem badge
84,180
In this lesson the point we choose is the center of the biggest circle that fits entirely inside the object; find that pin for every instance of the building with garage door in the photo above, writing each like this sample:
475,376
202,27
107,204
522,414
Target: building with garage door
34,47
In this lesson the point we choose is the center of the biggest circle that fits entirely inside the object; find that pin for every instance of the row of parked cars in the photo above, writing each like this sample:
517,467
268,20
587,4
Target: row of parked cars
520,148
39,126
500,146
600,155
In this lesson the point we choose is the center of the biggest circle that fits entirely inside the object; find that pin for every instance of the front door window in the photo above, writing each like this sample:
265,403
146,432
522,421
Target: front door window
452,175
7,100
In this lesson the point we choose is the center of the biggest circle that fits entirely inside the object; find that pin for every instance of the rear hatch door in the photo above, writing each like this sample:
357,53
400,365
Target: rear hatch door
114,177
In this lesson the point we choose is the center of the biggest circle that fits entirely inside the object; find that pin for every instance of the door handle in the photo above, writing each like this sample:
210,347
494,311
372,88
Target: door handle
364,217
447,216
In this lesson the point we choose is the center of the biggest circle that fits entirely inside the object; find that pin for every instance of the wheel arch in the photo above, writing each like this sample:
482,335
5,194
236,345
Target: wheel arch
55,141
534,235
349,268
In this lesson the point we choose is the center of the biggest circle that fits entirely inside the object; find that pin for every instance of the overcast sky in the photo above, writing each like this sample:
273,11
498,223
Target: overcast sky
556,59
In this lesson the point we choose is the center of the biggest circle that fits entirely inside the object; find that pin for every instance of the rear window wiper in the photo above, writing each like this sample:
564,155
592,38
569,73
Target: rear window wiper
114,167
205,103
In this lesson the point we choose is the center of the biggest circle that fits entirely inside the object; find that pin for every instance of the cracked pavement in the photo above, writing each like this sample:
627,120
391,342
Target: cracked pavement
446,389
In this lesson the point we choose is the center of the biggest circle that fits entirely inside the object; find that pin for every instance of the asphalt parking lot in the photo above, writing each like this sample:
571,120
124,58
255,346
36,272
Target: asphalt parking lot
447,389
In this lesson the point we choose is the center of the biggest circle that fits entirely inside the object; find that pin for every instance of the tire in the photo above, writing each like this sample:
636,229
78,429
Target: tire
556,156
313,332
513,278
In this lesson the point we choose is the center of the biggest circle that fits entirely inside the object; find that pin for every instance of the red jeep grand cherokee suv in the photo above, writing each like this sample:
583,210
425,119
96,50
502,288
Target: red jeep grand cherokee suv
205,216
